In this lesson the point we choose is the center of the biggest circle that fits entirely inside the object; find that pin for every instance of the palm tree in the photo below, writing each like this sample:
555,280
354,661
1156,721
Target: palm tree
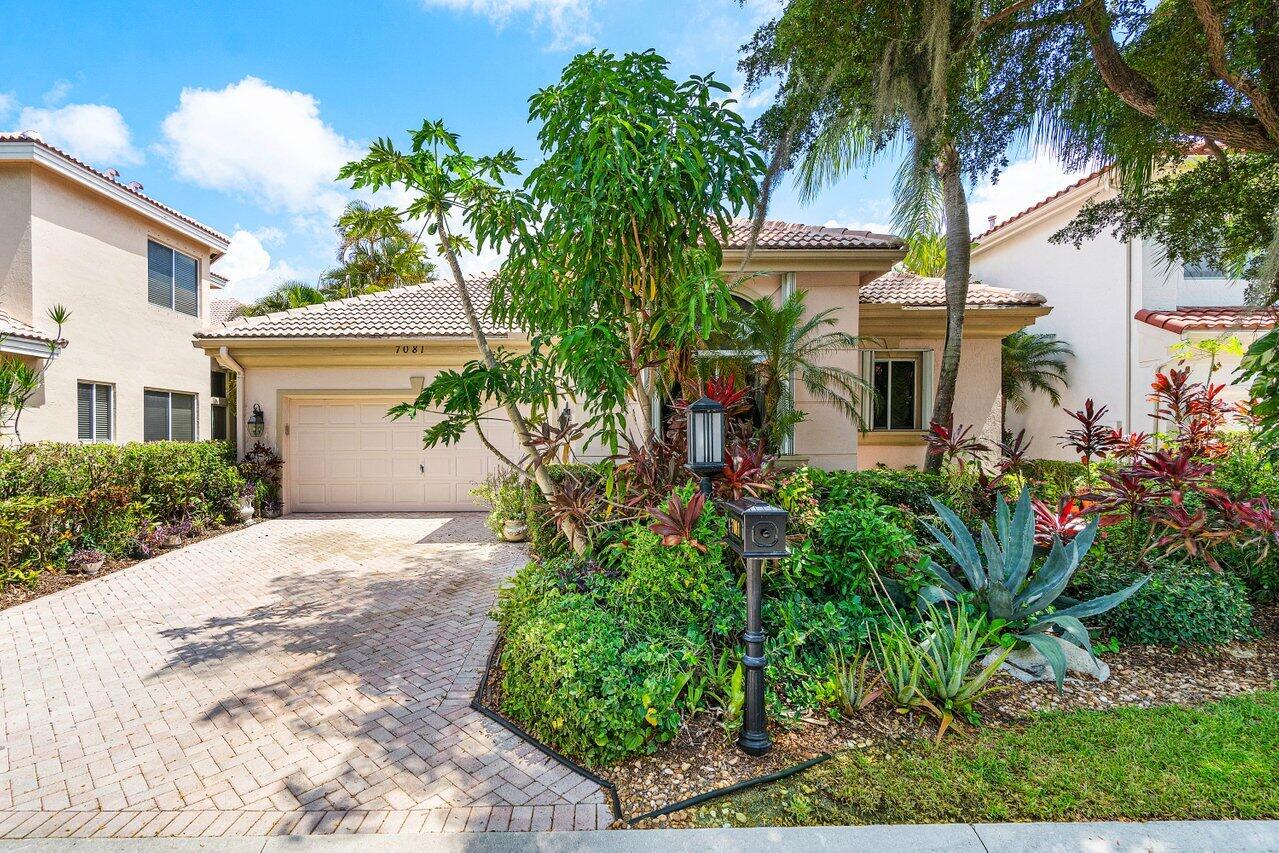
926,255
289,294
375,252
1033,363
778,343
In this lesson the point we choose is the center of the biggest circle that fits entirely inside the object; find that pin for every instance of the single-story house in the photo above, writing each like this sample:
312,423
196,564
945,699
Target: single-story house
324,375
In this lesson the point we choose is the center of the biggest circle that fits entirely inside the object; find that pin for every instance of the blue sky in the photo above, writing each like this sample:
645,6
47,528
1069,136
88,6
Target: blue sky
239,114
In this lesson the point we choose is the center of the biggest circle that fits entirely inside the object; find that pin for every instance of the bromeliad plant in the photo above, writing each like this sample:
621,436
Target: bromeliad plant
1000,580
675,524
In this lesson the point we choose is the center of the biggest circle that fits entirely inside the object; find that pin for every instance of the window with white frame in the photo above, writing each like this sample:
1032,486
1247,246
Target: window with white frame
1206,270
95,411
900,387
173,279
168,416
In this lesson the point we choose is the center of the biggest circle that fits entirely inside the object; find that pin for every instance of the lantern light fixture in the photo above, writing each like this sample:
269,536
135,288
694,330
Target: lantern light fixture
706,440
257,421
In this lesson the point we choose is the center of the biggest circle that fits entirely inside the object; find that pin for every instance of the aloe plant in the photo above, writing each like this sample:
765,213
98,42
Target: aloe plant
1030,604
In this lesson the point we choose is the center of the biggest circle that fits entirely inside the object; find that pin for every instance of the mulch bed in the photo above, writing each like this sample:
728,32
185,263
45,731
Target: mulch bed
703,758
59,579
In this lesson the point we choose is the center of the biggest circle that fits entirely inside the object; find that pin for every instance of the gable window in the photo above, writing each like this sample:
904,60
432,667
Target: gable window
173,279
95,412
168,416
897,378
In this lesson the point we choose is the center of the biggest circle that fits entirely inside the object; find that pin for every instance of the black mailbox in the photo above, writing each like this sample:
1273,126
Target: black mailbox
755,529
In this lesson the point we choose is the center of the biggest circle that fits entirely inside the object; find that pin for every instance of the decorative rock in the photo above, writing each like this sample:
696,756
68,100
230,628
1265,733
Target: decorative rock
1240,652
1029,666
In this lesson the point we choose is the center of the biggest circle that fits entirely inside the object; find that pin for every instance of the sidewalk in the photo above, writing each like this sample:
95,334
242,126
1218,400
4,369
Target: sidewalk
1164,837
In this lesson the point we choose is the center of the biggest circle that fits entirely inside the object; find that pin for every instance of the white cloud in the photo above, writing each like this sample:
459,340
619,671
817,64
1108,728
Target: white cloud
57,93
570,21
262,142
1023,184
244,259
253,288
94,132
8,103
875,227
269,236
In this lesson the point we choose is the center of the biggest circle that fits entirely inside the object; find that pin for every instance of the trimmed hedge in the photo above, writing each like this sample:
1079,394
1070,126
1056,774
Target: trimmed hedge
1180,605
56,499
907,489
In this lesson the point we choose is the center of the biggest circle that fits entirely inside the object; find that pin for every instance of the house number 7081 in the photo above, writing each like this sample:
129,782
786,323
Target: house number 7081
415,349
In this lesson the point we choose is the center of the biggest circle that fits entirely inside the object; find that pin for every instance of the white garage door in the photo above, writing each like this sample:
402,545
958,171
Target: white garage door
348,456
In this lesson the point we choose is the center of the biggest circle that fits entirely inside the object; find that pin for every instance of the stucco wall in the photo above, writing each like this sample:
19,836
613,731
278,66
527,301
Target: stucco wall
15,240
1088,291
91,256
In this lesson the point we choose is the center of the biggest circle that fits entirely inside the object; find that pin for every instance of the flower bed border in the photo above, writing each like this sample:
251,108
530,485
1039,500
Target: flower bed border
480,702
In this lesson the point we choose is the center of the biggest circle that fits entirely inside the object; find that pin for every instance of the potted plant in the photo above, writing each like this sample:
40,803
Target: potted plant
247,510
505,496
87,561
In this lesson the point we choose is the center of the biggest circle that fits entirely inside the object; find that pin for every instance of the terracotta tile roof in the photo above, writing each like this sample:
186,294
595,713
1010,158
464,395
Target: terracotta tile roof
1079,184
791,235
904,288
32,140
433,309
218,282
11,327
221,310
1198,318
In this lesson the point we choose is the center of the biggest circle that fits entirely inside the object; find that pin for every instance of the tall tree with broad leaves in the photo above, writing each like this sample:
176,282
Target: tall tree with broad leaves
453,193
376,251
925,79
616,275
1180,99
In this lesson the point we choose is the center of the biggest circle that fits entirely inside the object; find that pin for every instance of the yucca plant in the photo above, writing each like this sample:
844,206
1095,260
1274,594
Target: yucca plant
900,665
1030,605
853,679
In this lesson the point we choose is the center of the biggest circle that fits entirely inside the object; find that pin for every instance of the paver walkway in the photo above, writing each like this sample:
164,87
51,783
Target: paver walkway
310,674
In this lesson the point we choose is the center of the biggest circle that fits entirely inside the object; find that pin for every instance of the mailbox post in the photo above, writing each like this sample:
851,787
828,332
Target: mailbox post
756,532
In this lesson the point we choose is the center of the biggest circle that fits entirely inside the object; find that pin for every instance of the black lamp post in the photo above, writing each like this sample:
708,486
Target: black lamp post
706,441
756,532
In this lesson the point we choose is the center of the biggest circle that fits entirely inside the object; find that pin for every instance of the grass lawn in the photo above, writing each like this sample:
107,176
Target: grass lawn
1219,760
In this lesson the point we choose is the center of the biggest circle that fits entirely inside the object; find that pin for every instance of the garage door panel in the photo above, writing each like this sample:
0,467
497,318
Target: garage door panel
349,456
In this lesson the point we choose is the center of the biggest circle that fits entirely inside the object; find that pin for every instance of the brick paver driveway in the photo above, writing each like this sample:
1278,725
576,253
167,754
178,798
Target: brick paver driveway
308,674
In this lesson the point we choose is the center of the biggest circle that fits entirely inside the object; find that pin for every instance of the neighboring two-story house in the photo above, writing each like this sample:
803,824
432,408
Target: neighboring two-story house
135,276
1123,307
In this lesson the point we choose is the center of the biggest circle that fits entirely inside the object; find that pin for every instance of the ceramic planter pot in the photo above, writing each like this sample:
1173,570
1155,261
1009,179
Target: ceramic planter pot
173,541
514,531
90,568
246,512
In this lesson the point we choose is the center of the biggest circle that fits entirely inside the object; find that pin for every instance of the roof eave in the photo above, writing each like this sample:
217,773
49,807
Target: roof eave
34,152
813,260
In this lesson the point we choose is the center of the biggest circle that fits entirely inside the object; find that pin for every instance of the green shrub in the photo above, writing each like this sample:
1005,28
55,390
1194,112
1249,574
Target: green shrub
907,489
1180,605
1052,478
504,493
847,542
99,496
1258,570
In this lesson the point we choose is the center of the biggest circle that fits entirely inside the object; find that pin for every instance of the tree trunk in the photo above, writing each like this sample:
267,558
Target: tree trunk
541,476
958,251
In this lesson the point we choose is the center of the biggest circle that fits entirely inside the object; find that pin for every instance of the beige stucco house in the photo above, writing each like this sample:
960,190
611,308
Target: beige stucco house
1121,305
325,375
134,274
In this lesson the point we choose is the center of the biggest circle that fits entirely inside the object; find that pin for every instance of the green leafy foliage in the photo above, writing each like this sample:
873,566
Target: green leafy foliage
909,490
504,493
59,498
1181,605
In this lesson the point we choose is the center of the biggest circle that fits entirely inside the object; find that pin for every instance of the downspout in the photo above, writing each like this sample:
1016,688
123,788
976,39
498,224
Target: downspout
1128,339
225,359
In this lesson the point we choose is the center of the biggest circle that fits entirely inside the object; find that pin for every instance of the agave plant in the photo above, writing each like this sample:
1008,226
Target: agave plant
1031,605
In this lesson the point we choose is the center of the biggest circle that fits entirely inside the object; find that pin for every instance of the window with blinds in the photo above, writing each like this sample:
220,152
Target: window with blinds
173,279
95,412
168,416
